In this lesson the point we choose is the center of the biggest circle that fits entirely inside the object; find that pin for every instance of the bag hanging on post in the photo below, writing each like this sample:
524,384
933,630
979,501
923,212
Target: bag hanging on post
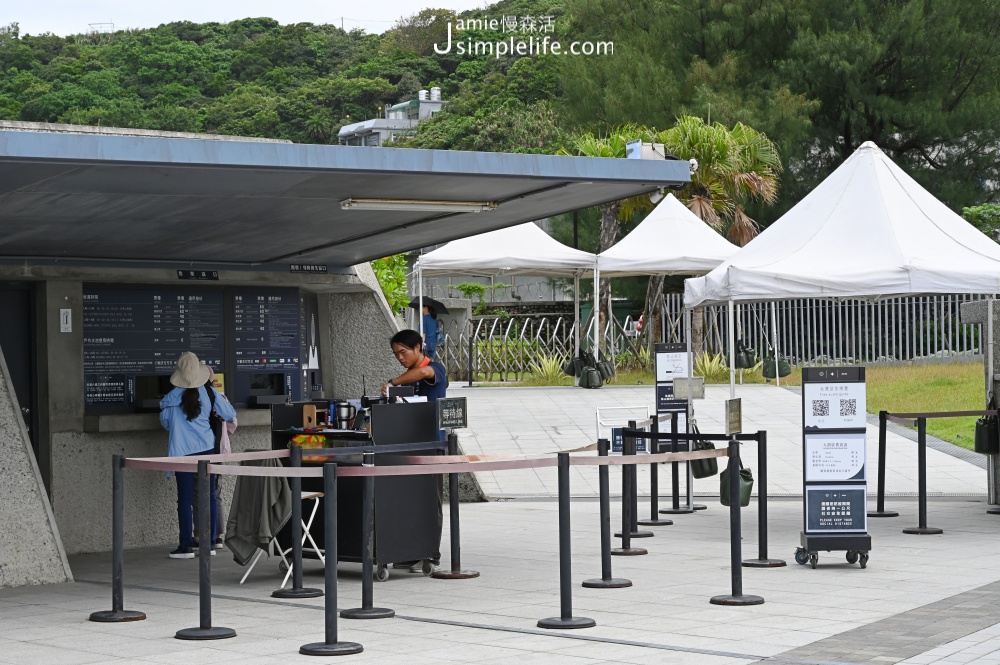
591,378
703,468
746,485
987,439
767,368
744,356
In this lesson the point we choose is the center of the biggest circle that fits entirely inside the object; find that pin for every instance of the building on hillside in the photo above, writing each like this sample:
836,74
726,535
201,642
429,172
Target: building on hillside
400,120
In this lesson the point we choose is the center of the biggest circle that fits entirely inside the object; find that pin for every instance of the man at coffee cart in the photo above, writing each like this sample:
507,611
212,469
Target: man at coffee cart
428,377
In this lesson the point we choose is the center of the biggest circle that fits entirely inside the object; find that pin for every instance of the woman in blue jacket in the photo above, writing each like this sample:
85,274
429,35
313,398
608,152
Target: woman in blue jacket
184,412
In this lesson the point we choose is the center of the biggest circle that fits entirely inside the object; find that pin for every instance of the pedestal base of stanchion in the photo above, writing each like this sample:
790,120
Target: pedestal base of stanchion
335,649
882,513
676,511
297,593
924,531
214,633
628,551
699,506
654,521
110,616
455,574
572,622
736,600
995,510
636,534
763,563
368,613
613,583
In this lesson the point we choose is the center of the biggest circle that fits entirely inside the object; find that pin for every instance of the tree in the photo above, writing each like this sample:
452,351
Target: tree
984,217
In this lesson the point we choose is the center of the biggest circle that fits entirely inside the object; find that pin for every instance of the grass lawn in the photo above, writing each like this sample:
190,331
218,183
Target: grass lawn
909,388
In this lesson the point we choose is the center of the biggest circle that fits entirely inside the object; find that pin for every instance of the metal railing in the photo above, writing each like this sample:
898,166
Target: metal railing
809,332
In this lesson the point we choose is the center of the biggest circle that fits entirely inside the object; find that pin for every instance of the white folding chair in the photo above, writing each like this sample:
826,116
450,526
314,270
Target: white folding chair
306,535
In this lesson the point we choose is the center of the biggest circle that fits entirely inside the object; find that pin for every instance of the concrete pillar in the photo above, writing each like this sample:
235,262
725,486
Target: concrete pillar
977,312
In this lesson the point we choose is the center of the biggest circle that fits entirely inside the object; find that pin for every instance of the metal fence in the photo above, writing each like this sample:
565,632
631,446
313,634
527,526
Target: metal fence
808,332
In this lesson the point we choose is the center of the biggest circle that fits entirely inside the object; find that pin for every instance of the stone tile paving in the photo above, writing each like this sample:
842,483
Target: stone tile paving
540,420
946,582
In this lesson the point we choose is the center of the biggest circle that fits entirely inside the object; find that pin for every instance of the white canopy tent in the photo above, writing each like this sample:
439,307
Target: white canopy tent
868,230
518,250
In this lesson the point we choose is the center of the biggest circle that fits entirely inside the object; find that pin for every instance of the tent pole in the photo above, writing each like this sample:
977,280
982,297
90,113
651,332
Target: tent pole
732,357
991,487
576,315
774,334
611,325
420,300
596,314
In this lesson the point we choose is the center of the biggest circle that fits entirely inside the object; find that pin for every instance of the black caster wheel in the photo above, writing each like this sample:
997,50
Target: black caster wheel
282,566
852,557
813,558
864,560
382,573
801,556
427,567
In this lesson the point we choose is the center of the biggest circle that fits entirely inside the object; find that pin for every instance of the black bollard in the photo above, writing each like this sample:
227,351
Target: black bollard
606,581
295,456
626,533
205,544
330,646
654,480
675,477
880,505
456,572
366,611
762,561
117,613
565,618
735,546
922,529
628,448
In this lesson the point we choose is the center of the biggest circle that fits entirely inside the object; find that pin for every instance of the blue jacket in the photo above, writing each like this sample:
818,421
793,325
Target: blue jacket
188,437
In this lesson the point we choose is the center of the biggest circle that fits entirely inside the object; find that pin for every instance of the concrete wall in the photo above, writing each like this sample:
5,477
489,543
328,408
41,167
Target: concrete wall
31,551
977,312
361,325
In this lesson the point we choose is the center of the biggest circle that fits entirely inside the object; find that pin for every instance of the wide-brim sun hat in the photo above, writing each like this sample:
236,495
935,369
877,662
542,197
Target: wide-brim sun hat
190,373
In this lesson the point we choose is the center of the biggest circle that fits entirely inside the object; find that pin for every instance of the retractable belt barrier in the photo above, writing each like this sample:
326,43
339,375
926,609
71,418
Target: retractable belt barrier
918,420
451,464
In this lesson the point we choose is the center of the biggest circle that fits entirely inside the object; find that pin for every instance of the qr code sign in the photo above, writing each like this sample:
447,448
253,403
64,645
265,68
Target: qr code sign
821,407
848,407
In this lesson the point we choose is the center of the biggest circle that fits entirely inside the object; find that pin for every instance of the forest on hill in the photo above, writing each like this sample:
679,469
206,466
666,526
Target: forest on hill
920,78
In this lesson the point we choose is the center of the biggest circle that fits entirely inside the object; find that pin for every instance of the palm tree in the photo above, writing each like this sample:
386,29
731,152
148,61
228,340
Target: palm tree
735,167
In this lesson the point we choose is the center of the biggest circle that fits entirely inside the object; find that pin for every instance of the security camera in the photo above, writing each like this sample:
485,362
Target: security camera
656,196
693,163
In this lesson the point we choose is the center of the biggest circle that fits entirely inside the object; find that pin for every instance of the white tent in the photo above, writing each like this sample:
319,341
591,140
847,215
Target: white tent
518,250
868,230
672,240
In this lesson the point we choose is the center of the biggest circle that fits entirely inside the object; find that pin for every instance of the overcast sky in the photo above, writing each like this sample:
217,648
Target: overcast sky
64,17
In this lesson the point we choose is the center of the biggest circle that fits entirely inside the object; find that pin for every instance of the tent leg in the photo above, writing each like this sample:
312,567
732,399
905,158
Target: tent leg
774,334
732,356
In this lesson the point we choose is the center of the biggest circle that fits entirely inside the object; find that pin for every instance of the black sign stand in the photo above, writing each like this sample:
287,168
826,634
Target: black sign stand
834,507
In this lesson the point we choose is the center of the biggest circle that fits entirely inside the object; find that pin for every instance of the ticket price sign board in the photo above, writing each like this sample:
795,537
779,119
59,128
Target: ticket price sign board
834,472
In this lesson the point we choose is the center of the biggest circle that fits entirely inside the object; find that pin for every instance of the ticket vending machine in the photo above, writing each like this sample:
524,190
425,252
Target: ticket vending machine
834,470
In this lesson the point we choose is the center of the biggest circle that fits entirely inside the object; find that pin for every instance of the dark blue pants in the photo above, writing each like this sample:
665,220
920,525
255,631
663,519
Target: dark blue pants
185,503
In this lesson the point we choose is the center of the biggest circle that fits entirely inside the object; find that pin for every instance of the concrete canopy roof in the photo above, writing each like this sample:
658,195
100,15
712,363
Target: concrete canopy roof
75,196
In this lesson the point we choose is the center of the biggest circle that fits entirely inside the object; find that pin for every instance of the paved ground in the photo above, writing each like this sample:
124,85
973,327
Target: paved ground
538,420
922,599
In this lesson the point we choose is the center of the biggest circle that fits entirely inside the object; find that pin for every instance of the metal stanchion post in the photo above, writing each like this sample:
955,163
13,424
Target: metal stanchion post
626,533
922,529
330,646
295,456
456,572
366,611
117,612
675,477
880,505
606,581
205,544
628,449
471,331
735,547
762,561
654,480
565,618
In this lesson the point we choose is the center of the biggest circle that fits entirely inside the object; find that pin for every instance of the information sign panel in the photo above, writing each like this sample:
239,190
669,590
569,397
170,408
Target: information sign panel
665,401
452,412
835,405
734,416
671,362
835,457
836,508
618,442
